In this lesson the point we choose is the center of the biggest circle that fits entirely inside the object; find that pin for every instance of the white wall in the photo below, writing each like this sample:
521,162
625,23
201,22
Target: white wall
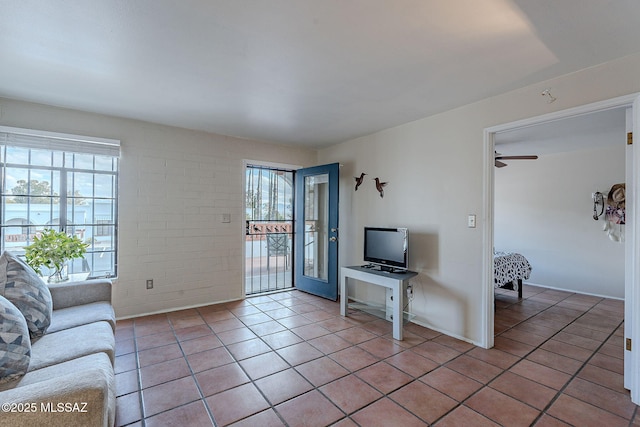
175,184
434,167
543,209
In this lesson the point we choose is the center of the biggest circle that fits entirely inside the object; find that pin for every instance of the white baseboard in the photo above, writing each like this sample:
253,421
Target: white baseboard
447,333
573,291
172,309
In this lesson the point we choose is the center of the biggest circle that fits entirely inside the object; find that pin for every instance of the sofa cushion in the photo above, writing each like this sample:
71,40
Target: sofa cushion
22,286
15,344
87,380
68,344
78,315
52,372
69,294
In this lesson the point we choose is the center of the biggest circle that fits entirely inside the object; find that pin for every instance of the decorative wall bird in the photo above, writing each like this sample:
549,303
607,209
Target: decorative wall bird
359,180
380,186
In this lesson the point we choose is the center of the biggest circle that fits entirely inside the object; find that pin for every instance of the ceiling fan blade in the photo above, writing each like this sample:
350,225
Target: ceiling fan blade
499,164
527,157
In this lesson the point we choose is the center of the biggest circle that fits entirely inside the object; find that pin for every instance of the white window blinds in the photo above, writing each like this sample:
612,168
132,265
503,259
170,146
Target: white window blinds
59,141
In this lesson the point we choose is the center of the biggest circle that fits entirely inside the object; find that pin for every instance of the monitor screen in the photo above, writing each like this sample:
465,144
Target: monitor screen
387,246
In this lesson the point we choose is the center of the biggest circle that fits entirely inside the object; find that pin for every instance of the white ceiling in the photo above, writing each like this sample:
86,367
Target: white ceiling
311,72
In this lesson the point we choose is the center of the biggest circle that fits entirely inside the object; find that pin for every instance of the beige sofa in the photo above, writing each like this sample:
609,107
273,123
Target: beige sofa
70,379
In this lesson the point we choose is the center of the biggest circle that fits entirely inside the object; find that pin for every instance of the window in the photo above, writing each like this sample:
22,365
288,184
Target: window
103,227
64,182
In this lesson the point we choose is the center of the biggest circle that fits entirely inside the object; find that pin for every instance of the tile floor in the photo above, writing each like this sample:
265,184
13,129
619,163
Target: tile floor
291,359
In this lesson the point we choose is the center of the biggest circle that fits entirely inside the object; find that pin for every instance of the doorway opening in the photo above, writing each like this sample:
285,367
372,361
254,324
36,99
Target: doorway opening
269,217
544,210
632,266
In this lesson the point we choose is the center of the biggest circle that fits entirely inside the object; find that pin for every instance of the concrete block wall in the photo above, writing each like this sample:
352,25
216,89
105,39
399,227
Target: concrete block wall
174,206
175,185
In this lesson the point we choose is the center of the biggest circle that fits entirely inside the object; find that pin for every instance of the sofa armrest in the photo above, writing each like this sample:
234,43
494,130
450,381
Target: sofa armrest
75,399
78,293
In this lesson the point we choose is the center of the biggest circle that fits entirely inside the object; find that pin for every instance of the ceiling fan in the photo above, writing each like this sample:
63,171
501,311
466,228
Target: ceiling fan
499,157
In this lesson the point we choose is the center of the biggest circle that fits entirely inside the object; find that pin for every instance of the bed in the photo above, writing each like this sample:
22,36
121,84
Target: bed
510,269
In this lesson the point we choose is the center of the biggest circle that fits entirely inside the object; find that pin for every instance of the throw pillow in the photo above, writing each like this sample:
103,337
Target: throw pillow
15,345
20,284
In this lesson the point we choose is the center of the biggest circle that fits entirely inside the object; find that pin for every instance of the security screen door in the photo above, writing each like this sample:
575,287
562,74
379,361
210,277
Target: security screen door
268,229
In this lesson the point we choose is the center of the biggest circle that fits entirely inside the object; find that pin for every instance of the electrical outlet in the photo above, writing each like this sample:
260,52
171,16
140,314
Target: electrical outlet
409,291
149,283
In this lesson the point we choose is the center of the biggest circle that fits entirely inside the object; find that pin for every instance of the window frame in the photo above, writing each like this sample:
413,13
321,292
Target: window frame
71,148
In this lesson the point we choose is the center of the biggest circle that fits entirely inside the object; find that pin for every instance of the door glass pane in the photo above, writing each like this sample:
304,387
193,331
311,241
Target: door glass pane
316,232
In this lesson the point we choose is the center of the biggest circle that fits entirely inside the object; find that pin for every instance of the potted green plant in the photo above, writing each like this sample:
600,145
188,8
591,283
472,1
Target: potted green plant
52,249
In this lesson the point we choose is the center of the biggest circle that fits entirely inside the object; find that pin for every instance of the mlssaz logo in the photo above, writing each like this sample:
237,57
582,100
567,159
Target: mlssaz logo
80,407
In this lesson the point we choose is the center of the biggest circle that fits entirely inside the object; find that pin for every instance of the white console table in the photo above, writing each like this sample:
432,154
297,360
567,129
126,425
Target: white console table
395,281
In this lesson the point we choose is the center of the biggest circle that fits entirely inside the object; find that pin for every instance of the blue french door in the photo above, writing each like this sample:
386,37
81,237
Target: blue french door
316,230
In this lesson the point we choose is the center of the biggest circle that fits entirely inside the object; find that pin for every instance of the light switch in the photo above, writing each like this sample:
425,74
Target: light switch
226,217
471,221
